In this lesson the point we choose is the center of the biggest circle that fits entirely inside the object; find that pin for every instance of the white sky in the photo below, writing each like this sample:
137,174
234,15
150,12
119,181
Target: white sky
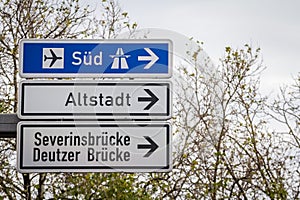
272,25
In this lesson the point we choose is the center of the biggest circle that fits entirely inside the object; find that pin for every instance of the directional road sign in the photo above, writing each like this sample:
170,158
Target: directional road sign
95,99
93,147
95,58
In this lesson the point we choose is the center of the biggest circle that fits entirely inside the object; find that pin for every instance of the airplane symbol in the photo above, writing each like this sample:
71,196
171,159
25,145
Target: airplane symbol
55,60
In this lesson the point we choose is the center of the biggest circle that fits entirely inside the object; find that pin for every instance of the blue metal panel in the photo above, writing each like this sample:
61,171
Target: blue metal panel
95,58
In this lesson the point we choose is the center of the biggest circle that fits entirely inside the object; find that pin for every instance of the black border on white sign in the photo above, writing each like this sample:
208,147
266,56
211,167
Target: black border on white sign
113,115
72,168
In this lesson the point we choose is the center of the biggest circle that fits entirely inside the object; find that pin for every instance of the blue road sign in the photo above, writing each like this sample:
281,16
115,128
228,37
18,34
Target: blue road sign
95,58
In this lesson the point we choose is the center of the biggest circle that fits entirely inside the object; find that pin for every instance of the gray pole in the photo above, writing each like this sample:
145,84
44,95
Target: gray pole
8,125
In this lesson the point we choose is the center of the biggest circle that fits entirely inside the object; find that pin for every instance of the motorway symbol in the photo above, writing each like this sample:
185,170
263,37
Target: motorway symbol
93,147
94,99
119,59
95,58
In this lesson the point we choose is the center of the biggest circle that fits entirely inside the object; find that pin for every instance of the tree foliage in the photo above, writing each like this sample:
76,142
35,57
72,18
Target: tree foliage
34,19
51,19
29,19
113,21
285,109
100,186
224,146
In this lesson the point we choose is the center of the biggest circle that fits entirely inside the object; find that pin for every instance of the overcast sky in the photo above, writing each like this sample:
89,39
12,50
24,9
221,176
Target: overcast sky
272,25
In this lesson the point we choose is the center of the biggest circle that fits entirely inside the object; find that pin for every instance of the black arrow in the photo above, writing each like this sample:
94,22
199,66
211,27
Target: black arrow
153,99
152,146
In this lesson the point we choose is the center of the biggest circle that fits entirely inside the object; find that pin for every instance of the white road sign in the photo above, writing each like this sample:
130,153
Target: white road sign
95,99
93,147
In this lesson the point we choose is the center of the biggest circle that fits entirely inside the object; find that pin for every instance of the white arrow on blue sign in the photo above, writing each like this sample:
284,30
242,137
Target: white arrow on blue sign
95,58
